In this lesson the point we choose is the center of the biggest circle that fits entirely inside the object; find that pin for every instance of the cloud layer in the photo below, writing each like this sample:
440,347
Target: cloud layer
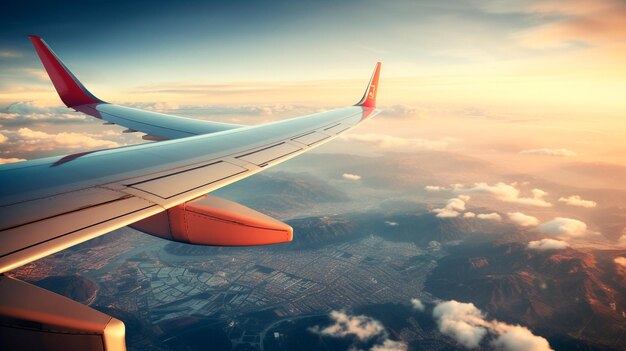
550,152
28,140
390,142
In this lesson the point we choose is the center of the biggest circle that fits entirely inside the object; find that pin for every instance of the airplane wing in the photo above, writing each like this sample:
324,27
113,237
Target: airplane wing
50,204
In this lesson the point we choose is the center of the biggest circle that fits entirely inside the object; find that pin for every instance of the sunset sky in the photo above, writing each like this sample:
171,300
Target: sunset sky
533,86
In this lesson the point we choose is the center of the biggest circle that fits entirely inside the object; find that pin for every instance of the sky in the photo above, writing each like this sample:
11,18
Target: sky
532,86
511,111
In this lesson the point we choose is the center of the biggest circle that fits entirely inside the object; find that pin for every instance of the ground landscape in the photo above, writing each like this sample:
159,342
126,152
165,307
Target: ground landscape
384,263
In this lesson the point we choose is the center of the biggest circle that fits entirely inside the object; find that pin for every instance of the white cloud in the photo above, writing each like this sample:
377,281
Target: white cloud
452,208
518,338
27,140
550,152
26,113
576,200
469,215
547,245
434,188
522,219
388,141
490,216
620,261
462,321
417,304
391,224
468,325
10,160
564,226
390,345
349,176
507,193
363,328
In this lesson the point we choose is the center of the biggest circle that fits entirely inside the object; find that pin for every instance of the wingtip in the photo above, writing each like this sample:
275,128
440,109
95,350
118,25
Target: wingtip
70,90
369,98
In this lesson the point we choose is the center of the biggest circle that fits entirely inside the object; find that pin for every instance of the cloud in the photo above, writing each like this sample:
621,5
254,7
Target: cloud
564,226
550,152
403,111
576,200
490,216
597,22
390,345
349,176
468,325
620,261
518,338
363,328
10,160
507,193
26,113
10,54
522,220
154,106
417,304
462,321
547,245
469,215
27,140
434,188
388,141
391,224
453,207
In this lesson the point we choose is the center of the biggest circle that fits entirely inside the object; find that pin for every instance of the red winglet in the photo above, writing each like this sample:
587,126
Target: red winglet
71,91
369,98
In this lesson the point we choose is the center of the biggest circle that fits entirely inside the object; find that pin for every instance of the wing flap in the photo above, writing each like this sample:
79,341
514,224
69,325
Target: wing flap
81,220
271,153
176,183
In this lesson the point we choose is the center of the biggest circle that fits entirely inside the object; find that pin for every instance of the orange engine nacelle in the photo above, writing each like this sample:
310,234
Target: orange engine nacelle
209,220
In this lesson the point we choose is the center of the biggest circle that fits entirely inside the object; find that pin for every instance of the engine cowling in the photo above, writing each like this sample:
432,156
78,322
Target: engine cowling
212,221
